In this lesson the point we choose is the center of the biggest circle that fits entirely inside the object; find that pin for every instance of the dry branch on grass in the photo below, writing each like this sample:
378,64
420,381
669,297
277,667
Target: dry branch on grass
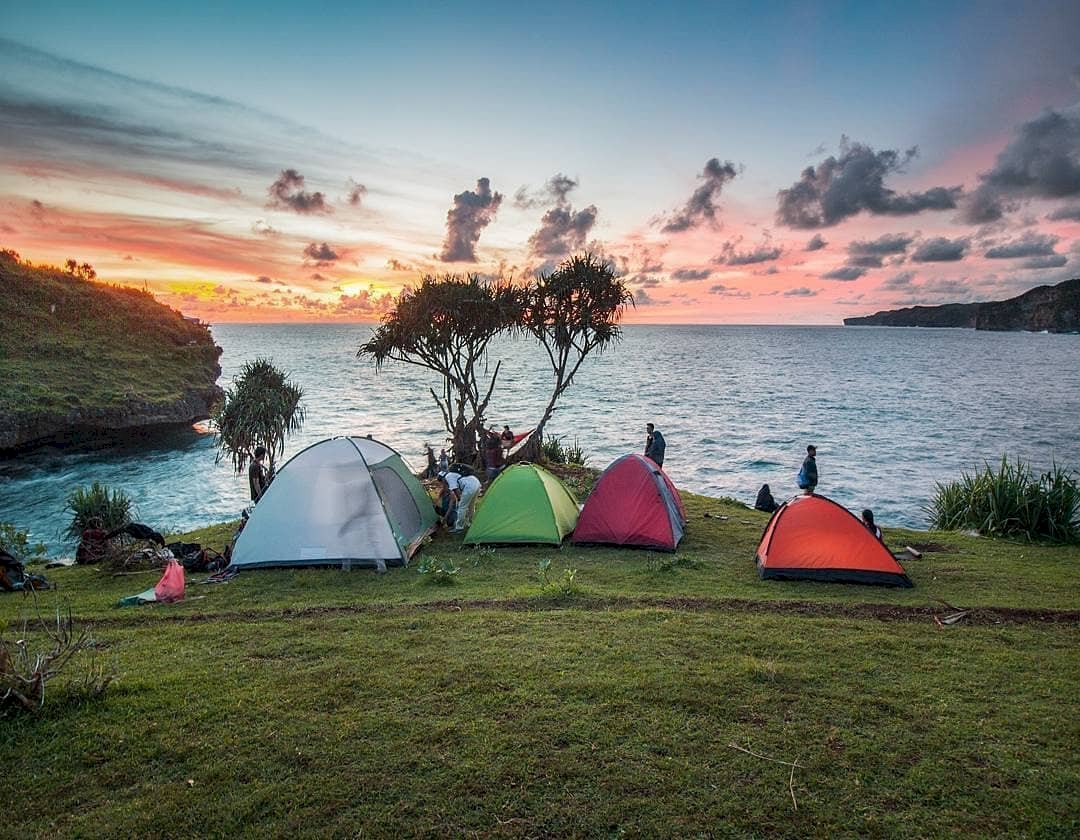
791,764
25,670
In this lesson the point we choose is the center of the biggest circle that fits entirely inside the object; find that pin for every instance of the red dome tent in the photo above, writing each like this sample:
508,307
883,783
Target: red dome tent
633,503
814,538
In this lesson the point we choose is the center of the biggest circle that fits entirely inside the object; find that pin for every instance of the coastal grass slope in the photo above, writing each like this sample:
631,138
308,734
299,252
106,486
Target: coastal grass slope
76,352
326,703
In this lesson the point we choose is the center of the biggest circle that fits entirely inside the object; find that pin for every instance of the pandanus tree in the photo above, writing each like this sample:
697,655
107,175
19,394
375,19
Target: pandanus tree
261,408
572,312
445,325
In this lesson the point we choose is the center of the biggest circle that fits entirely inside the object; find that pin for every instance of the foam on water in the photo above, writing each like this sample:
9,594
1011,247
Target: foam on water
892,411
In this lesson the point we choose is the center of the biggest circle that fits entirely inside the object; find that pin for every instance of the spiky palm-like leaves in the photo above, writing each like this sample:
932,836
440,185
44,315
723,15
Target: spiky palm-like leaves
1011,501
261,408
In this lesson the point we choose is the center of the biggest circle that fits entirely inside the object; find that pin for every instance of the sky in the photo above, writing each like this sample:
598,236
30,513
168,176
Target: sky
762,163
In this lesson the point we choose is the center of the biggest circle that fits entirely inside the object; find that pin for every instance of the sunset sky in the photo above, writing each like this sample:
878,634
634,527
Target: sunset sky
739,163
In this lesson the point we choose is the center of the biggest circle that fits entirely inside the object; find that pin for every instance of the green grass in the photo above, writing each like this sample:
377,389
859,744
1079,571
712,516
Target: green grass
71,344
326,703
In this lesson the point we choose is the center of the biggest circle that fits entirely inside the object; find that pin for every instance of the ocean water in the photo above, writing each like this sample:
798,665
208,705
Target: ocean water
891,411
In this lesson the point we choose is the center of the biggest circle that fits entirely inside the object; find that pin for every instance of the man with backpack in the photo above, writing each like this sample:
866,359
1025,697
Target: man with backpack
808,476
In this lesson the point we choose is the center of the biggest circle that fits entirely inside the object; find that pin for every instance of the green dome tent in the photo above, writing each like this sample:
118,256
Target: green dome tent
525,504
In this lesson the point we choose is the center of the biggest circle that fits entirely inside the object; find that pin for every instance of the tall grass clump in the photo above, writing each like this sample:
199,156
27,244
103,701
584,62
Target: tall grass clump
1010,501
557,452
112,507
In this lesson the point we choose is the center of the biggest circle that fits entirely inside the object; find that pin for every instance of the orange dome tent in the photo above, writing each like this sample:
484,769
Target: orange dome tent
814,538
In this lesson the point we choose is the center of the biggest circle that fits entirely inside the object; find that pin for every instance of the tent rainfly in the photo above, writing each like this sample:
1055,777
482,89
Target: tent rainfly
814,538
635,504
525,504
348,501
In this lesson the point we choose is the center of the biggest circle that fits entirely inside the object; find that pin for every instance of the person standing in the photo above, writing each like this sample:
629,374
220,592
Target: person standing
808,475
444,461
258,479
655,445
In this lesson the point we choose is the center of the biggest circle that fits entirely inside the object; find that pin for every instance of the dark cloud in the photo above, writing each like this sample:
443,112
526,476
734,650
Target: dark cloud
555,191
816,243
890,243
1042,161
686,275
772,269
263,279
398,265
761,253
802,291
355,192
901,281
941,249
1065,214
727,291
838,188
322,254
561,231
1029,245
471,213
867,261
845,272
287,193
701,207
1049,261
641,298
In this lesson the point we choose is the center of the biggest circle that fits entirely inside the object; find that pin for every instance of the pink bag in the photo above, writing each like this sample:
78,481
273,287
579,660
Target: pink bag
171,585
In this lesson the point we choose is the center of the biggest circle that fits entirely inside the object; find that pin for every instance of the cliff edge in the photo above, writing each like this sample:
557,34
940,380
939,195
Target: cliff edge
79,357
1049,308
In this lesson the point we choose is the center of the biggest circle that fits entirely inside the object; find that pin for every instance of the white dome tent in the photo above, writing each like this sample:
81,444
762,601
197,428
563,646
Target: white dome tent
348,501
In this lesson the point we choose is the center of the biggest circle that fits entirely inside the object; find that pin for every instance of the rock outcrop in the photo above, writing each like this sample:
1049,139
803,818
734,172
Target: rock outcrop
1045,308
81,359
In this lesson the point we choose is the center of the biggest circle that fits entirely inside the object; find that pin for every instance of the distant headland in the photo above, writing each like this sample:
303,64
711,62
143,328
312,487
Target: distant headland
80,358
1053,309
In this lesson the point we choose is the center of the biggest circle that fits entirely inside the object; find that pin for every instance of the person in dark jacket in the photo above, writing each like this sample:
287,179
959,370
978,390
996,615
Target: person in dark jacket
765,500
808,475
258,480
655,445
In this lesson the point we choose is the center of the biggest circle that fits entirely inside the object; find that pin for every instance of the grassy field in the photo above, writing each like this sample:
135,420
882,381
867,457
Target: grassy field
327,703
71,344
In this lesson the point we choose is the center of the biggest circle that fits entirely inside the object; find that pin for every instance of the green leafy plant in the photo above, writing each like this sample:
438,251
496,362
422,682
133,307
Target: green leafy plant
262,408
672,563
112,507
17,544
437,570
1011,501
564,584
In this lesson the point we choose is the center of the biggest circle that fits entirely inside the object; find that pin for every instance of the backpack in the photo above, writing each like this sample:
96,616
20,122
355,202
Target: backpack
802,480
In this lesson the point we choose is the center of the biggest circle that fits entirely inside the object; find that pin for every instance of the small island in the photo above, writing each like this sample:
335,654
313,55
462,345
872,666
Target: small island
1053,309
80,358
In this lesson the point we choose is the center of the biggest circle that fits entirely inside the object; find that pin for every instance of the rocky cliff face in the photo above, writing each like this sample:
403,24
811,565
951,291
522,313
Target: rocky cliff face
26,429
1049,308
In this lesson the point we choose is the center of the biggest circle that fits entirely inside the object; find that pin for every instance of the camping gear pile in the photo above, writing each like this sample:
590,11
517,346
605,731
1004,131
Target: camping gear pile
15,578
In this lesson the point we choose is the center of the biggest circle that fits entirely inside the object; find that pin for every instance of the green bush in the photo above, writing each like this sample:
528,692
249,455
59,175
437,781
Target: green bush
1011,501
112,507
557,452
438,571
17,544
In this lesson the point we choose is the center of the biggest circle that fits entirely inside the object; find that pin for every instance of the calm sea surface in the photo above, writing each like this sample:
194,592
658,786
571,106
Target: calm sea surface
891,411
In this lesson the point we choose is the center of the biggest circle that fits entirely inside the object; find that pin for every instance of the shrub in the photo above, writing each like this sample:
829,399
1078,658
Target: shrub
17,544
112,507
438,571
557,452
1011,501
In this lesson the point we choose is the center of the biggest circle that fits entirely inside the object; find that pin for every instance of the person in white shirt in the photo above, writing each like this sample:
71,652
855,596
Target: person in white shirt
464,489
